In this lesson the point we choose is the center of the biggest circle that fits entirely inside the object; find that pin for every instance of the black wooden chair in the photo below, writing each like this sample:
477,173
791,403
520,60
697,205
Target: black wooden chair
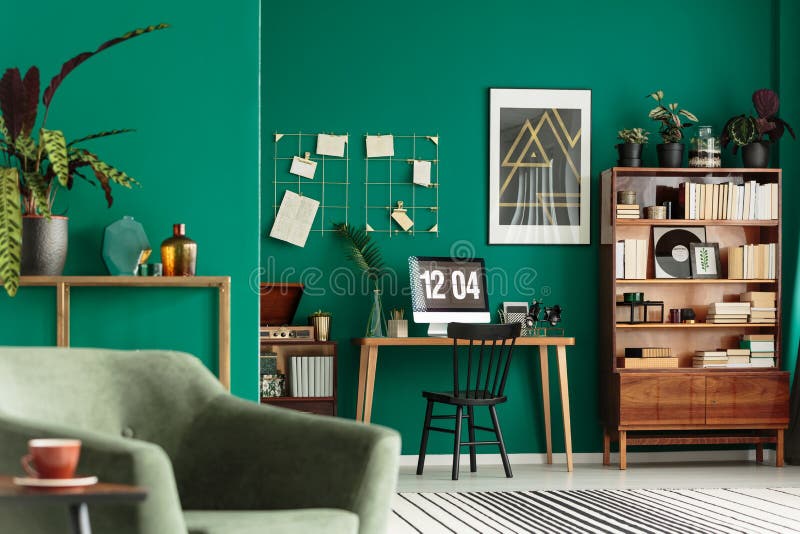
488,349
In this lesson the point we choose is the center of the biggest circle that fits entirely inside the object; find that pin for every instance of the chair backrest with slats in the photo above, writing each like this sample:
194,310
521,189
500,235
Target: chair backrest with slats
488,349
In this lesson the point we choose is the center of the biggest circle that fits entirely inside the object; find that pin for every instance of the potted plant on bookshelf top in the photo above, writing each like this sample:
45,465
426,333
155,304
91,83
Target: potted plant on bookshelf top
755,134
670,152
33,240
630,150
321,321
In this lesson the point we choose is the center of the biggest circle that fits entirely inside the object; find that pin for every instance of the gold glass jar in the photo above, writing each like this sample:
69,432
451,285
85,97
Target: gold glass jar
179,253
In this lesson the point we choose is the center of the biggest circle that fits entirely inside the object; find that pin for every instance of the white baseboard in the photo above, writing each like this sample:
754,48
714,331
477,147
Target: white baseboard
597,457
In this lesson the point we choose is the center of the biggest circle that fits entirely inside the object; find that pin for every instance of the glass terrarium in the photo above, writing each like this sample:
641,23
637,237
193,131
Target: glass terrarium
705,149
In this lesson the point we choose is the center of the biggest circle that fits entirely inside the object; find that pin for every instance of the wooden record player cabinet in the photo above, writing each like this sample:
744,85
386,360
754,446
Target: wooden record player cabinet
686,406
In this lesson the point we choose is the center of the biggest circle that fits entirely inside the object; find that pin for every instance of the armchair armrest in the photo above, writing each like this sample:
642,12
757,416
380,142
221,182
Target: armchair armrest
241,455
111,459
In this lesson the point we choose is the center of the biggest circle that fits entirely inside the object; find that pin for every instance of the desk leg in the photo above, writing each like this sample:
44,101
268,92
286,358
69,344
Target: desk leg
546,401
370,385
562,377
362,382
79,518
224,335
62,314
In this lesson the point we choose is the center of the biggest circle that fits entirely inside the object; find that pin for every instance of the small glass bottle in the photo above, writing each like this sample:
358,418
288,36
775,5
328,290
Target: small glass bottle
705,149
179,253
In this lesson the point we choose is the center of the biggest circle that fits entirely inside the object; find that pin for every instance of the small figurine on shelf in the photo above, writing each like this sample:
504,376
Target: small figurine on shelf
179,253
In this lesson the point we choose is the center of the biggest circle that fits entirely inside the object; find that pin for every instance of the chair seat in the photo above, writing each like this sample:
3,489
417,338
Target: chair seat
480,398
298,521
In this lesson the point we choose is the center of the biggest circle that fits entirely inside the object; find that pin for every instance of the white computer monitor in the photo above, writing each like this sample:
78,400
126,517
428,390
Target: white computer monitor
446,290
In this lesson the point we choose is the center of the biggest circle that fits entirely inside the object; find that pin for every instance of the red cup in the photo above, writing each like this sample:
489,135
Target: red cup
52,458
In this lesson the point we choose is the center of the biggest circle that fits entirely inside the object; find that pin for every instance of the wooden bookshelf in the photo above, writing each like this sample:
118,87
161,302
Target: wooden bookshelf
682,406
287,349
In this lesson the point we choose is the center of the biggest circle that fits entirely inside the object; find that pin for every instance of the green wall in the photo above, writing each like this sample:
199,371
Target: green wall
426,67
191,92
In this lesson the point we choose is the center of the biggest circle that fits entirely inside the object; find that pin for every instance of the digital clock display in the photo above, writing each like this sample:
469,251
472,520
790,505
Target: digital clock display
448,284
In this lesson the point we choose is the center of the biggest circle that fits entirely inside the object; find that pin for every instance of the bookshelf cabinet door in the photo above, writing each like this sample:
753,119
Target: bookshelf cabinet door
662,400
748,399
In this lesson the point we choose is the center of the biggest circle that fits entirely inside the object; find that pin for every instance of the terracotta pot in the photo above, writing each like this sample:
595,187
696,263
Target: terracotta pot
44,245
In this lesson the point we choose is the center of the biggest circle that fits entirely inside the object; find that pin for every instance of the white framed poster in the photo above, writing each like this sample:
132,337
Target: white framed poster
539,166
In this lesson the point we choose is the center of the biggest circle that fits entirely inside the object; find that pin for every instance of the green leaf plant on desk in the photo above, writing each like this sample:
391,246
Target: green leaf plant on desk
367,257
34,169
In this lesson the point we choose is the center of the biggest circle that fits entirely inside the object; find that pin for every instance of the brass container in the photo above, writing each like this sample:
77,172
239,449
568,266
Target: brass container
179,253
322,326
656,212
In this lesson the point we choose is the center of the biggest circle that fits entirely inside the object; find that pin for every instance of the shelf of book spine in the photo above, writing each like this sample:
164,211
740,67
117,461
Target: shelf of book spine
300,375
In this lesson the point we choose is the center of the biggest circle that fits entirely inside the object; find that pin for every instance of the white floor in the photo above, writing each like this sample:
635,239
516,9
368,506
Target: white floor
672,473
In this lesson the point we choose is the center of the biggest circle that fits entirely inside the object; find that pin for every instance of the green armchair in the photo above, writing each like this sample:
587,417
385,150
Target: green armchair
213,463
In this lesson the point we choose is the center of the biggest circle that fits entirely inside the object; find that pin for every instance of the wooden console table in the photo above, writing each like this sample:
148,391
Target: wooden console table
63,284
369,362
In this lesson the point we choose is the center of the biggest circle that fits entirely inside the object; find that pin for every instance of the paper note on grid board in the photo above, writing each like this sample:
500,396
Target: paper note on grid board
422,173
303,167
294,220
380,146
331,145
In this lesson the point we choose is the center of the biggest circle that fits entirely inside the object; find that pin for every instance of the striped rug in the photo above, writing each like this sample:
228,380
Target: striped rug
690,511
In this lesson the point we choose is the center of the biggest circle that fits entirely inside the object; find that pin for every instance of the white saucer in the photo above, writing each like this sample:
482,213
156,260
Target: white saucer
31,482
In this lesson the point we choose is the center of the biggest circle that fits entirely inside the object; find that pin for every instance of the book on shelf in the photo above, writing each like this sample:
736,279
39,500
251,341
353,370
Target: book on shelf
729,201
757,346
738,360
311,376
648,352
737,352
752,261
628,211
758,337
648,363
762,362
634,259
711,354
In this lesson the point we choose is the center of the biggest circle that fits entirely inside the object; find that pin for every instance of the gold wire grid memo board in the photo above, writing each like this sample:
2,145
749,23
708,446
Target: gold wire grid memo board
389,185
331,182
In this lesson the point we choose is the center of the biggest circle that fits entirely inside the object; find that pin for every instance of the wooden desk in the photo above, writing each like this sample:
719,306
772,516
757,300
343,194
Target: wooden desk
77,499
64,283
369,361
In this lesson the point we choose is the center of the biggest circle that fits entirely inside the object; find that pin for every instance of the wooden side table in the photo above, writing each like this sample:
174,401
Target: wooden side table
77,499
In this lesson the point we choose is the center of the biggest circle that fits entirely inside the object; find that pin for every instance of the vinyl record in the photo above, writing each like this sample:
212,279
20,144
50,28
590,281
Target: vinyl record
672,253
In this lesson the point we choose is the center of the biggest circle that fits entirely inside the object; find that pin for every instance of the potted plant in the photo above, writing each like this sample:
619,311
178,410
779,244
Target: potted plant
755,134
367,256
670,152
630,150
321,321
34,167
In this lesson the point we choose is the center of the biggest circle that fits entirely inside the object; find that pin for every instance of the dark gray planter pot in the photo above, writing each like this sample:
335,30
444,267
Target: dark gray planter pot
44,246
756,155
670,155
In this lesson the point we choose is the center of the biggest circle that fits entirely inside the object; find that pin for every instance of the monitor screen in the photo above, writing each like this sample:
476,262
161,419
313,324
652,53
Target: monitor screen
440,284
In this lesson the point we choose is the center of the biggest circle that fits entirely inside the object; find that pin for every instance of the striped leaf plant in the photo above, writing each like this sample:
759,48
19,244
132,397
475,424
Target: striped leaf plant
36,162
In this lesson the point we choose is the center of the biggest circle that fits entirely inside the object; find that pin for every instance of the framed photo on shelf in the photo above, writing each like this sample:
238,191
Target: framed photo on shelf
671,249
705,260
539,176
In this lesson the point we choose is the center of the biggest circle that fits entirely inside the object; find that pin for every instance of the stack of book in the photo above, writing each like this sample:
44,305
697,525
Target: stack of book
762,349
628,211
648,358
762,306
708,359
729,201
738,357
752,261
728,312
632,259
311,376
